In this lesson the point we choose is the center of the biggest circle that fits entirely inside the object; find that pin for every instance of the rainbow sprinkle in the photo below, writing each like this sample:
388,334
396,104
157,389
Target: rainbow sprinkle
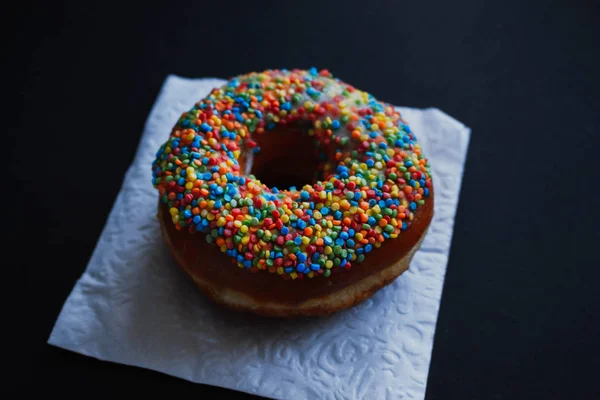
369,193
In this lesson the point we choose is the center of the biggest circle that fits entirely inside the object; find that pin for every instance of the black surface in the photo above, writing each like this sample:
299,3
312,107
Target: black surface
519,315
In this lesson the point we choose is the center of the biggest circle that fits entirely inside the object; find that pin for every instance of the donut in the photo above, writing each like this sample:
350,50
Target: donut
291,193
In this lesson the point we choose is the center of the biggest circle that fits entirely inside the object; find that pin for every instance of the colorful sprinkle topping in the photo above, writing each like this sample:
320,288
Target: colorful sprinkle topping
369,193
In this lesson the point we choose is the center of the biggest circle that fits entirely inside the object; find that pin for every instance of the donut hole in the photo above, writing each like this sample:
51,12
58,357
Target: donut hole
288,157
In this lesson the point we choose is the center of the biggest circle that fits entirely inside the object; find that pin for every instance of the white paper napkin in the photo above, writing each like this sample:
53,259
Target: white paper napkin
133,306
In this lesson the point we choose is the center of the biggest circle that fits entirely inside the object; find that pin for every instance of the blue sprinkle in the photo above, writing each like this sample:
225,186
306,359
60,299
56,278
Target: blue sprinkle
247,263
218,204
316,256
351,232
386,235
343,263
313,71
404,226
357,195
360,251
301,256
344,235
324,210
368,248
426,192
412,183
328,241
413,205
370,163
287,106
258,113
205,161
205,127
285,230
405,127
315,267
301,224
408,164
207,176
350,243
288,269
300,268
197,219
335,124
298,240
304,195
180,181
339,241
278,254
383,145
371,221
195,154
187,214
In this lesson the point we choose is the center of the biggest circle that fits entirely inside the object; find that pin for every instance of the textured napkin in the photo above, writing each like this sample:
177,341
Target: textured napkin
133,306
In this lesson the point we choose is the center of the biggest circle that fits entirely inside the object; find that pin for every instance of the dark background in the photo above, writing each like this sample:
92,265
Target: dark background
519,313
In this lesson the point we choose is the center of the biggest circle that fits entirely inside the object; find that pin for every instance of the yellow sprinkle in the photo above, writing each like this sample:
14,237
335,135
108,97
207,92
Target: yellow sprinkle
293,275
328,264
243,229
237,223
210,216
267,254
221,221
189,185
280,270
311,274
245,239
353,210
358,236
305,240
376,209
317,215
285,218
328,250
174,211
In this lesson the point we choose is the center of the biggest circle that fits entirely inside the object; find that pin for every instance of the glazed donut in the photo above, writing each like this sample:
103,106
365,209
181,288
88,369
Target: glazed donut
292,193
